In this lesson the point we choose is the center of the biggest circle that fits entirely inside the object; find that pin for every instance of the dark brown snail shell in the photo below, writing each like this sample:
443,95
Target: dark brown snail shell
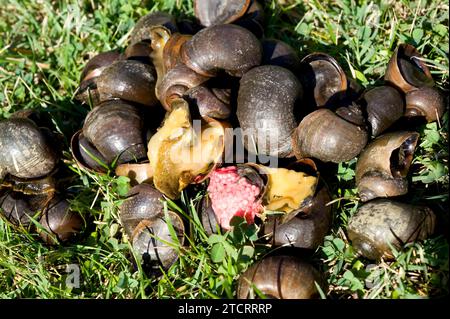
280,277
26,151
142,215
98,63
115,129
383,222
406,70
428,102
307,229
266,99
277,52
325,136
225,47
209,104
59,222
128,80
143,202
384,106
141,29
86,155
16,209
383,165
90,73
323,79
215,12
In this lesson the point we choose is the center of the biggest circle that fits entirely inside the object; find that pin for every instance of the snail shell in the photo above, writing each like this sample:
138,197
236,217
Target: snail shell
225,47
325,136
16,209
307,229
26,152
384,106
383,165
428,102
128,80
142,216
280,277
214,12
59,221
323,79
92,70
146,23
86,155
406,70
266,99
383,222
115,129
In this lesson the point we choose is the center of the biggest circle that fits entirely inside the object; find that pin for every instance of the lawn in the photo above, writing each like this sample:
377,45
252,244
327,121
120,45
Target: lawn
44,46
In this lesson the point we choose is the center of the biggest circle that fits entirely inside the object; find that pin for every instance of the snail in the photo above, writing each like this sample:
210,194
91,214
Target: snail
428,102
383,222
115,130
383,165
276,52
266,99
59,222
15,209
141,31
323,79
280,277
384,106
246,13
143,219
226,47
307,229
326,136
411,75
220,12
247,190
406,70
182,151
27,151
128,80
177,81
90,73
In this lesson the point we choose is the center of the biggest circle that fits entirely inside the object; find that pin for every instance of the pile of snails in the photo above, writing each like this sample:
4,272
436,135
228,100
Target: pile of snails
29,164
162,113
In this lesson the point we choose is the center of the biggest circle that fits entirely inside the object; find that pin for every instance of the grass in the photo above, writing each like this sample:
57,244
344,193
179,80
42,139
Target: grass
43,48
